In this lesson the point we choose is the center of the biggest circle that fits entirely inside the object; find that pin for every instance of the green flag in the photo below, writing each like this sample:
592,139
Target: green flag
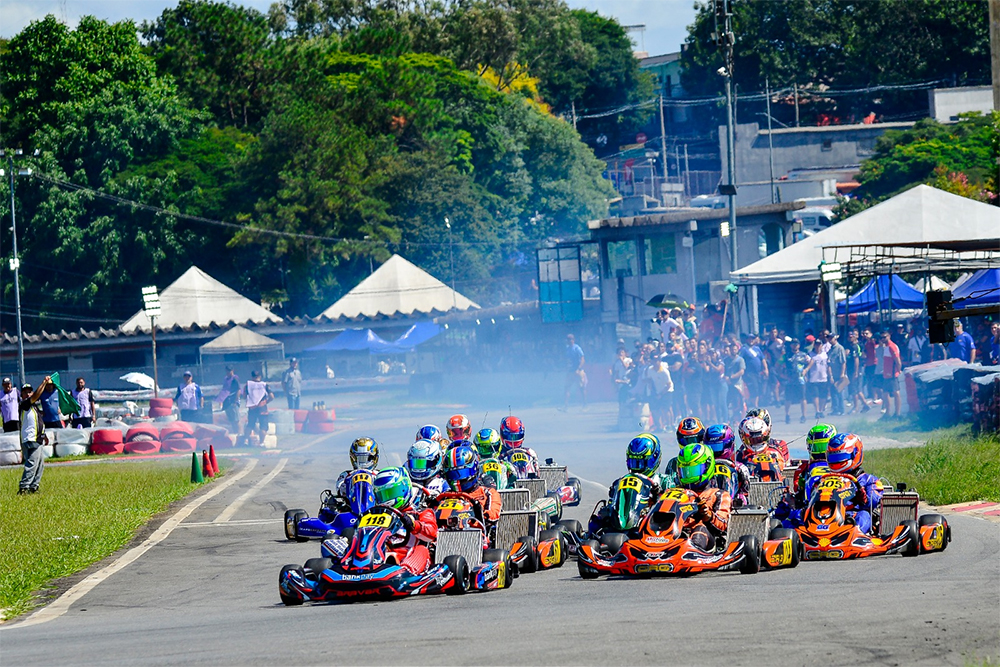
67,404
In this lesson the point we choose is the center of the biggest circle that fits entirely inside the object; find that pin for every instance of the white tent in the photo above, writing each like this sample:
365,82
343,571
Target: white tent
241,340
198,299
935,283
922,213
398,288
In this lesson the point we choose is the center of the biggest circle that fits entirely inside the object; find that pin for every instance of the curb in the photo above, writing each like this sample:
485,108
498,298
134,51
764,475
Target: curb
981,509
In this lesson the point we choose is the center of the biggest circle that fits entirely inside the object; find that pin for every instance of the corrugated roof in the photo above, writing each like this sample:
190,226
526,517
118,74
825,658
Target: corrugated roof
397,288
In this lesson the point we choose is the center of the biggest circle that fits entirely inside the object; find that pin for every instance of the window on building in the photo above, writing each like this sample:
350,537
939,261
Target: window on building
120,359
661,254
45,365
828,144
622,260
770,239
186,359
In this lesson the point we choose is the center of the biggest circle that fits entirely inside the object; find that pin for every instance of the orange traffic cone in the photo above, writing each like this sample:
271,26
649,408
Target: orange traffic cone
196,474
206,464
211,458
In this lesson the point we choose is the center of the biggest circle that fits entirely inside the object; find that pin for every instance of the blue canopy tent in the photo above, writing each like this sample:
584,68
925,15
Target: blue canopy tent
879,293
983,286
366,339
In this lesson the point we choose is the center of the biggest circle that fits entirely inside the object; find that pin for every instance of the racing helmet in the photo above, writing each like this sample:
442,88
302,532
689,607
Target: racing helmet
722,441
845,453
695,465
459,428
689,431
428,432
754,434
818,439
511,431
364,453
461,468
487,443
643,454
423,461
393,488
760,413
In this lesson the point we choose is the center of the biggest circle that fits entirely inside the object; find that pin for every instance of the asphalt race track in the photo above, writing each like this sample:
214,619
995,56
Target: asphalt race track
207,594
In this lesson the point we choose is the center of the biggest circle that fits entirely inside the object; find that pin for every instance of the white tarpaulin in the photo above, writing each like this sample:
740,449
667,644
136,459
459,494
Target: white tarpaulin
398,288
198,299
920,214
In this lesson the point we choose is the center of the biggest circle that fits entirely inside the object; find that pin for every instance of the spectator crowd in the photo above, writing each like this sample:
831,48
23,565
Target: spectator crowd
690,367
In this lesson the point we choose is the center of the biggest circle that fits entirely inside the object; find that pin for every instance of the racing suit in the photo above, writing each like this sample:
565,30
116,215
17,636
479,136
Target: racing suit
491,500
746,456
865,500
414,555
708,527
506,451
782,447
736,480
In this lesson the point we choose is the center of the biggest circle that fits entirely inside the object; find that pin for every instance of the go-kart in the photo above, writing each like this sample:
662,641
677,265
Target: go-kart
368,568
461,524
767,466
335,513
663,546
629,499
497,474
827,532
552,480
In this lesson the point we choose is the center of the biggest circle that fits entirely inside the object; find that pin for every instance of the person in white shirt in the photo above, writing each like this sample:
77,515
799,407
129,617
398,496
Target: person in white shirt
817,377
661,391
82,395
33,438
258,396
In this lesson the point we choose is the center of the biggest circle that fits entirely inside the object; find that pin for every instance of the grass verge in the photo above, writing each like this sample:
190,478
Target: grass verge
81,515
906,429
947,470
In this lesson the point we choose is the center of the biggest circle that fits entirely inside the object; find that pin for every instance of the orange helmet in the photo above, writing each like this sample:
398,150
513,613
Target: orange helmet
690,431
459,428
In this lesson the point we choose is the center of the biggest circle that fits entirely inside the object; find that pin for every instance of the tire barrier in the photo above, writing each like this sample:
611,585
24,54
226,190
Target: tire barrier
107,448
142,447
62,449
177,429
10,450
161,403
143,431
160,412
178,445
107,436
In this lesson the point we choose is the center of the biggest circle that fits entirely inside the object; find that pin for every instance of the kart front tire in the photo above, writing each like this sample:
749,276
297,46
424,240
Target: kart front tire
288,600
571,526
797,548
912,548
460,569
298,515
587,572
555,534
932,519
292,524
317,565
531,562
613,542
751,558
501,556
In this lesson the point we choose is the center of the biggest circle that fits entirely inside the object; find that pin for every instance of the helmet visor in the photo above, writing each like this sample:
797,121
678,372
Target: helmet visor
687,439
693,473
839,460
818,446
640,464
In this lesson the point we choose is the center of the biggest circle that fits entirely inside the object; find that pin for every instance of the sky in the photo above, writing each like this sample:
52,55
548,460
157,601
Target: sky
666,21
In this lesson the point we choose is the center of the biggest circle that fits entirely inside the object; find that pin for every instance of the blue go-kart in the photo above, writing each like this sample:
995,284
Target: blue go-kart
335,513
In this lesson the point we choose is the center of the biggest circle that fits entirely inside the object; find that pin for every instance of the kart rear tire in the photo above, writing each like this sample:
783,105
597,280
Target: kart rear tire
751,562
555,533
571,526
530,565
288,600
555,496
784,534
912,549
930,520
613,542
460,569
587,572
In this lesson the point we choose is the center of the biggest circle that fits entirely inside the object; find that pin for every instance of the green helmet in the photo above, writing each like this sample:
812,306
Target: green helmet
487,441
695,464
393,488
819,439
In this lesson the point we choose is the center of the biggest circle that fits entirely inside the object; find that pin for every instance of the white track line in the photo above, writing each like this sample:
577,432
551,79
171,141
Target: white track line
228,513
587,481
62,604
242,522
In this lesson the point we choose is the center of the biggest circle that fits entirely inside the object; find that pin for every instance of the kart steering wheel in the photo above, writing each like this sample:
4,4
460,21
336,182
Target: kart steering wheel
850,478
477,506
404,519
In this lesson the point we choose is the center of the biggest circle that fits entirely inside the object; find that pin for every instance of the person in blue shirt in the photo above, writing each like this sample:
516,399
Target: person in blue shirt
50,406
963,347
574,366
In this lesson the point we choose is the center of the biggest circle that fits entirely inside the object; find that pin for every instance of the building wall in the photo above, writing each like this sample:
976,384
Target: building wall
947,103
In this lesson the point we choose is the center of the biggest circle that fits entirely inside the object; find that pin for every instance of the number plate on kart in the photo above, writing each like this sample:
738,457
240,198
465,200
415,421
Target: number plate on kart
519,457
451,505
491,466
627,483
378,520
679,495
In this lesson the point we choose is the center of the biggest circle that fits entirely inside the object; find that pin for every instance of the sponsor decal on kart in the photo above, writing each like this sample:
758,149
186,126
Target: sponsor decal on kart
935,540
782,554
553,555
650,568
820,555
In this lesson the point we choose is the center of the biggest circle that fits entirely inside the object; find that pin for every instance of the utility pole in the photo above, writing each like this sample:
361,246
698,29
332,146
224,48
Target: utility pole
572,106
663,148
995,50
687,175
725,39
451,255
770,138
795,87
15,261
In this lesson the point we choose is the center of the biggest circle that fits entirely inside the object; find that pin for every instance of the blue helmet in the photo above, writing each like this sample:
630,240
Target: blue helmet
461,468
393,488
423,461
722,440
429,432
643,454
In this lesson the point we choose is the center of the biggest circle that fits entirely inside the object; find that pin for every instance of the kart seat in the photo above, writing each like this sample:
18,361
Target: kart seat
661,521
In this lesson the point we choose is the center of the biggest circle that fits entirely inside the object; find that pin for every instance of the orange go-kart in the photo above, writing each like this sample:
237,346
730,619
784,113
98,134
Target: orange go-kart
828,533
664,547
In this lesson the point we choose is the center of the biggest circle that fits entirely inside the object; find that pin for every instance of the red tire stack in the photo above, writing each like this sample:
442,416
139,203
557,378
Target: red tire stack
213,437
178,437
107,441
161,407
142,439
319,421
300,419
